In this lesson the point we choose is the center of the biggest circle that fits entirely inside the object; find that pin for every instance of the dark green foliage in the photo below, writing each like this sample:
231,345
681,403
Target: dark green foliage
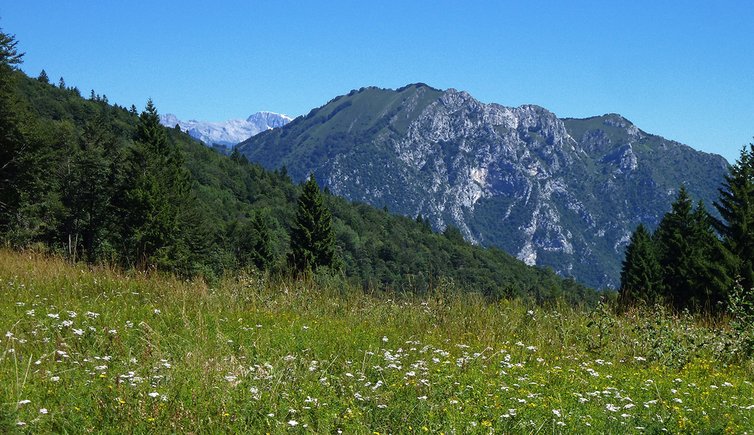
674,245
640,277
686,247
86,193
157,191
9,55
43,77
684,263
453,234
11,141
712,280
736,226
312,235
254,246
425,223
61,83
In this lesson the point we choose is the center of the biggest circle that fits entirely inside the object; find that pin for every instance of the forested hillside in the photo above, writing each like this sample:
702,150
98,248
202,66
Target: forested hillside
105,184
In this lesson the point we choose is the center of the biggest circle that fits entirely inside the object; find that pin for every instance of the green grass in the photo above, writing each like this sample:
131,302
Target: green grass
106,352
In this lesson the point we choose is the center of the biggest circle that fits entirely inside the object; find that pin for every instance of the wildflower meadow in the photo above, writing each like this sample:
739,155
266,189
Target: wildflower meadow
95,350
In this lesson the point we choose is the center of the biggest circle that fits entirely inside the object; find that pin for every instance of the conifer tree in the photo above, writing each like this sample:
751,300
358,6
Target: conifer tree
263,255
43,77
711,278
312,235
11,139
86,192
424,222
690,256
254,243
61,83
640,277
9,55
674,238
158,191
736,207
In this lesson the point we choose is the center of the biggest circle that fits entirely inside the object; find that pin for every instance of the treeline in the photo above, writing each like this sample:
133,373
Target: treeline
104,184
693,260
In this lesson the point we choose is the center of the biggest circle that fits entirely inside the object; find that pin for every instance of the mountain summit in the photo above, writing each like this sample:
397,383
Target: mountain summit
227,133
563,193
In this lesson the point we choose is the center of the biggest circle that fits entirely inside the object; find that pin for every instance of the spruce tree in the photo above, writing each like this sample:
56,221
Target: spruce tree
640,277
87,191
312,235
11,138
673,238
690,255
9,55
43,77
254,243
736,207
711,279
157,194
262,254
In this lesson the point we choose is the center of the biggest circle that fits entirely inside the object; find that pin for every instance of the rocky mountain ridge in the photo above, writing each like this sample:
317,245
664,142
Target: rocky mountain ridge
563,193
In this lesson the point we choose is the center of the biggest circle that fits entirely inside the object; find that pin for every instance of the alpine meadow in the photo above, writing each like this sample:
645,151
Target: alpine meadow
406,260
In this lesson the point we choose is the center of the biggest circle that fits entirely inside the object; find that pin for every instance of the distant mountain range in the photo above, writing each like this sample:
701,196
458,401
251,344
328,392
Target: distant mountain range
227,133
563,193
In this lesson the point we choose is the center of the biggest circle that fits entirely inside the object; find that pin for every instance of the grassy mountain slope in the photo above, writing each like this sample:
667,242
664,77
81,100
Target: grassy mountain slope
333,129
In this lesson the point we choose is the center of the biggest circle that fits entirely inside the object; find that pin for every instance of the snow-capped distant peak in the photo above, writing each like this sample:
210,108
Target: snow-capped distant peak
269,119
228,133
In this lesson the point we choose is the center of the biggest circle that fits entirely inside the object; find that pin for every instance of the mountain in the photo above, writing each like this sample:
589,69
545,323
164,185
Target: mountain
72,174
227,133
563,193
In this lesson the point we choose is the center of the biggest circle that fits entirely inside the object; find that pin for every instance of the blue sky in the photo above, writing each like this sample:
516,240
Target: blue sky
684,70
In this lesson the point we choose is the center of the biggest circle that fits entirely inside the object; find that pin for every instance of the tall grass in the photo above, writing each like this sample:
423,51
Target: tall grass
98,350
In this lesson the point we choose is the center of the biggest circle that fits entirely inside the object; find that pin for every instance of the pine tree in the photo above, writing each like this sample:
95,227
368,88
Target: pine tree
690,255
61,83
157,194
711,279
9,55
736,207
673,239
640,277
87,192
43,77
11,138
312,235
254,243
263,255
